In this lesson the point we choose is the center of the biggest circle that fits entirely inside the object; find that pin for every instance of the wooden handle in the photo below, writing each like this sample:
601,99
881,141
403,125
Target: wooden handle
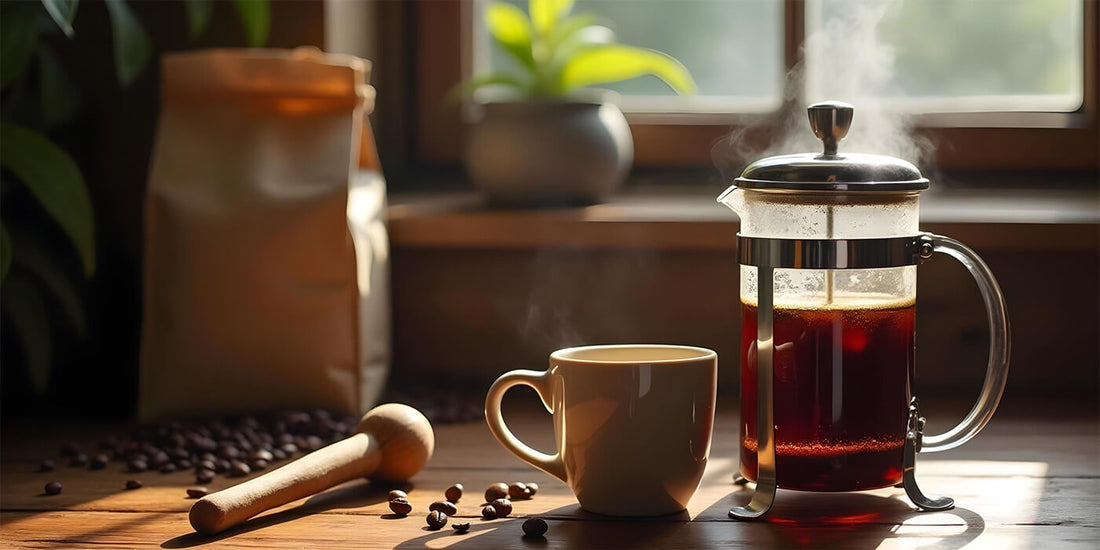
355,457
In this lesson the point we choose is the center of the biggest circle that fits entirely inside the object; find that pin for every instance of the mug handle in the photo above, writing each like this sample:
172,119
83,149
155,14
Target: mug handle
996,373
541,383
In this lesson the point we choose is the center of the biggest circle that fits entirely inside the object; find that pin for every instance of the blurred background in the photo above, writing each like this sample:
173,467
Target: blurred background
995,101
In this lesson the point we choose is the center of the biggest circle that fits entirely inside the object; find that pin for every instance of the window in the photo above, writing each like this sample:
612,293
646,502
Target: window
994,84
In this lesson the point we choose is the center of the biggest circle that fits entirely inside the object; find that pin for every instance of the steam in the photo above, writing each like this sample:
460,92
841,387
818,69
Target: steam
844,60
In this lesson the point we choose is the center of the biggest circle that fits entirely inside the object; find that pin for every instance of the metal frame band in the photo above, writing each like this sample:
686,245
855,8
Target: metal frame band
835,253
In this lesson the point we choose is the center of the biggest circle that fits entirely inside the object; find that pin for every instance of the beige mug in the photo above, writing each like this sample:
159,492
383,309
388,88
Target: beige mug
632,423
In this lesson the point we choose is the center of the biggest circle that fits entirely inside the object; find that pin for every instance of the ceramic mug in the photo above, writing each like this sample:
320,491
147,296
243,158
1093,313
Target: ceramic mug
632,423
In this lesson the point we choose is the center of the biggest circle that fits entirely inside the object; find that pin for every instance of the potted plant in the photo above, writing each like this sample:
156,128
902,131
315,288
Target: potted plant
554,140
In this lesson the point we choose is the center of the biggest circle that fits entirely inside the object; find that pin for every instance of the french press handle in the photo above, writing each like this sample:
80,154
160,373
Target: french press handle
996,373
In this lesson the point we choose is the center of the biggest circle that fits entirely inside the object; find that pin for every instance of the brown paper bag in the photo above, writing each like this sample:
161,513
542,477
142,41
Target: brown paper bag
266,262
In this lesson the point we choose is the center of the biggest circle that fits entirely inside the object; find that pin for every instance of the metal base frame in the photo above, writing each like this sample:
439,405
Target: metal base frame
771,254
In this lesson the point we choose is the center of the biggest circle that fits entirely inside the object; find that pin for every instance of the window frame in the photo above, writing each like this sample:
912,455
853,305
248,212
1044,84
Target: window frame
964,141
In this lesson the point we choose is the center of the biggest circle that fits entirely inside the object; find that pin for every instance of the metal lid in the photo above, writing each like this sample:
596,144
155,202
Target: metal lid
832,171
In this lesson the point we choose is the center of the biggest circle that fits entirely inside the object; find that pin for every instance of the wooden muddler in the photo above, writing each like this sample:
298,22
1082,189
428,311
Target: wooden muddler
392,444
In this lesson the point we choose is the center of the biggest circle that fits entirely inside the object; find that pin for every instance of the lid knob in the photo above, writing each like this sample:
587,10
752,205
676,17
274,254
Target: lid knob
830,121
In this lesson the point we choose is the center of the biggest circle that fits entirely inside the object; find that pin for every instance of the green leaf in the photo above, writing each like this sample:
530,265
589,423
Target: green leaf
5,252
33,257
511,29
54,179
612,63
32,326
18,39
198,16
546,13
62,12
133,48
60,94
484,81
256,17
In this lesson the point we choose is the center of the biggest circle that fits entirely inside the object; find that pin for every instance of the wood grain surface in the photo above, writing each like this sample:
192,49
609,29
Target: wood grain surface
1021,484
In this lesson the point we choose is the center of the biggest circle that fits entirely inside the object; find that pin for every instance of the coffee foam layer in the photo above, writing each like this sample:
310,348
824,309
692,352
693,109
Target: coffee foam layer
845,301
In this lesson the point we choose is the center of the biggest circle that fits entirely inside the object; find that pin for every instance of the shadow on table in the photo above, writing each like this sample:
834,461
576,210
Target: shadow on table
352,495
805,520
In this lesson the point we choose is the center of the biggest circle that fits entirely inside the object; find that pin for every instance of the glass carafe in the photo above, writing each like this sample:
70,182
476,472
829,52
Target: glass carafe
829,247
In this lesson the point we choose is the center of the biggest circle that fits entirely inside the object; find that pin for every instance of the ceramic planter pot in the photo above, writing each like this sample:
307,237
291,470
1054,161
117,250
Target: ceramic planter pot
546,152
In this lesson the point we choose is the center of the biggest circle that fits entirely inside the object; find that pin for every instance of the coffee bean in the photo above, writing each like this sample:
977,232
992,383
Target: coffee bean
461,528
397,493
278,453
179,454
258,464
46,466
207,457
197,492
503,507
228,452
495,491
79,460
168,468
221,465
489,512
535,527
53,488
133,484
238,468
454,492
137,466
263,455
183,464
99,462
436,520
204,476
289,448
400,506
532,488
313,443
159,458
70,449
443,506
110,442
517,491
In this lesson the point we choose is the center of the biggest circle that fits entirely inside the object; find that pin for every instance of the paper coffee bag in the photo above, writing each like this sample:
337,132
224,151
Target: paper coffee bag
266,262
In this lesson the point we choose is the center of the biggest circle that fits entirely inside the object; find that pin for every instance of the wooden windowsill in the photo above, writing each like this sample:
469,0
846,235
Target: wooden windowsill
986,219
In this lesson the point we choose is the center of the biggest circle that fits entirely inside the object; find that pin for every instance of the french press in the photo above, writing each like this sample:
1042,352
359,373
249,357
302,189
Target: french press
828,247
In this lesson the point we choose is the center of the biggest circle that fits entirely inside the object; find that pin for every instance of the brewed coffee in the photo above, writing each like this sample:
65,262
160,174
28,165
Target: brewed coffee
842,375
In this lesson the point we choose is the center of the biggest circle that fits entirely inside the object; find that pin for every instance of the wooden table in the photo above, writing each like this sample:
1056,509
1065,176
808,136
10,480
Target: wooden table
1023,483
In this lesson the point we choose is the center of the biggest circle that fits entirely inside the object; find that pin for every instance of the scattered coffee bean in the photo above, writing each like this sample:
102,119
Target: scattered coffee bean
159,458
461,528
517,491
79,460
197,492
495,491
264,455
53,488
258,464
400,506
278,453
221,465
137,466
238,469
228,452
205,465
46,466
503,507
489,512
207,457
183,464
443,506
535,527
532,488
436,520
99,462
168,468
454,492
397,493
289,448
133,484
204,476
